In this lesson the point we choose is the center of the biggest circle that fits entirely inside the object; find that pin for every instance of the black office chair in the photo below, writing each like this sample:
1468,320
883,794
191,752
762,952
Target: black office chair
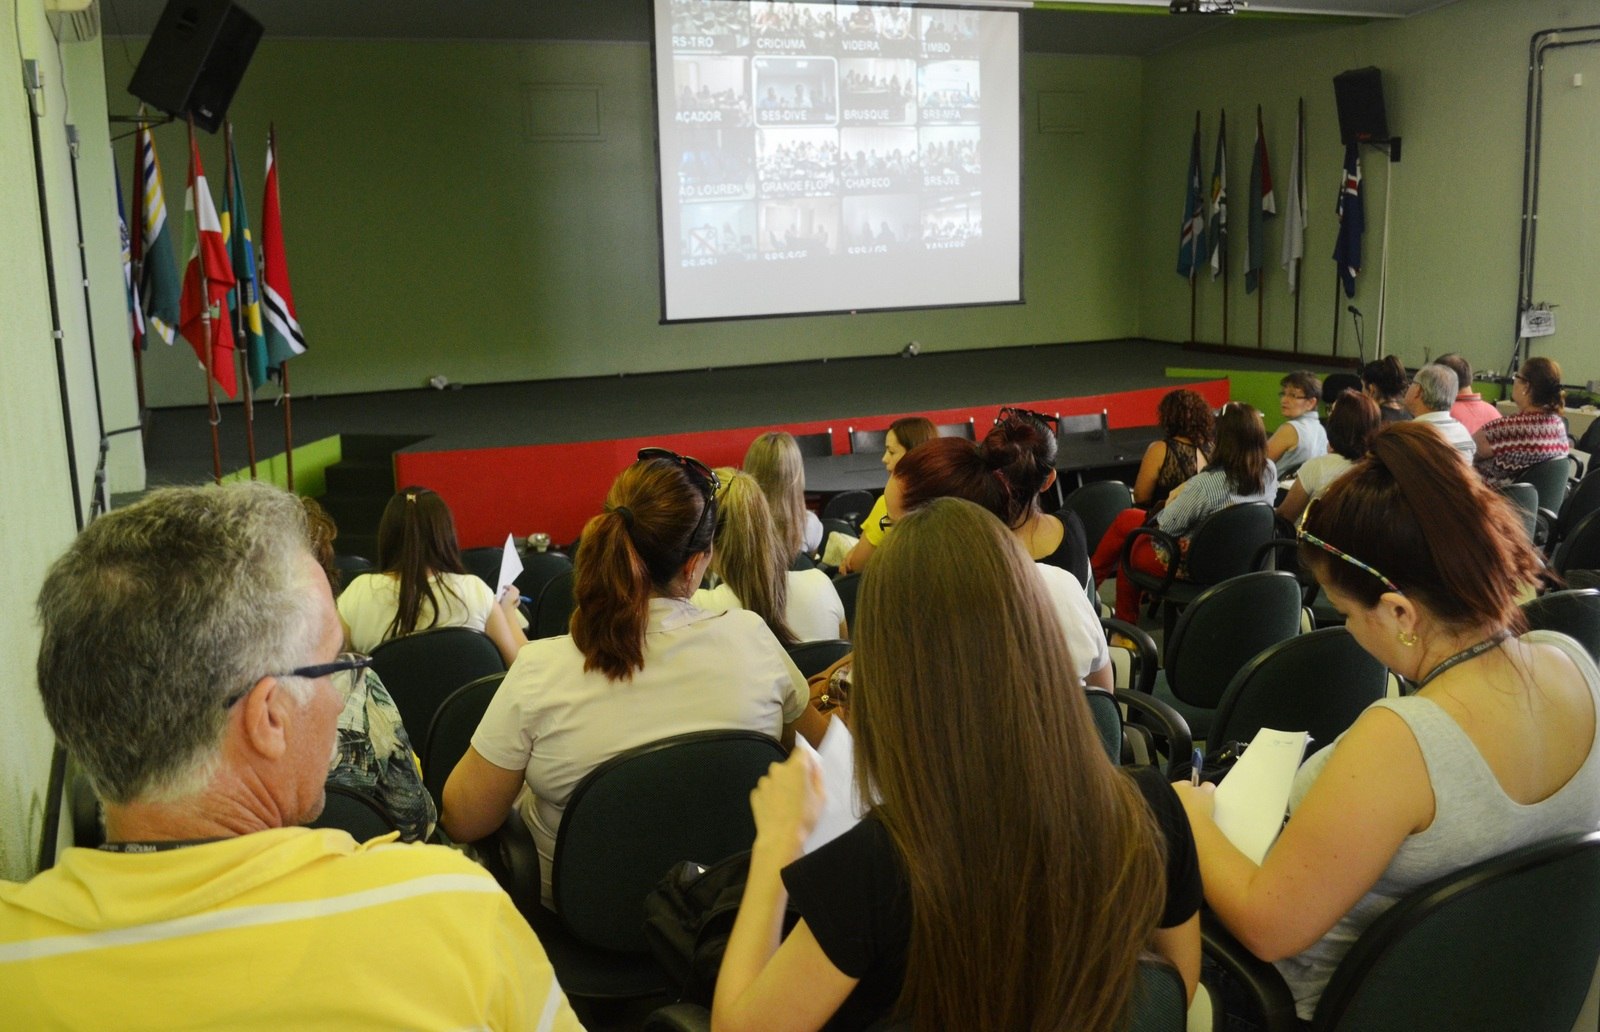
1525,497
1507,943
832,525
1221,631
1318,682
1145,724
1097,505
968,430
1221,547
628,822
1581,501
1579,550
1550,479
849,506
1159,1004
421,670
866,441
358,813
553,612
816,446
1575,613
1283,553
450,732
813,657
1092,426
484,563
352,566
847,586
539,569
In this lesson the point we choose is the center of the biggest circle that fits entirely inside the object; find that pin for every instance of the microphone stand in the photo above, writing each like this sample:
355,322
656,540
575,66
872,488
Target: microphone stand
1356,317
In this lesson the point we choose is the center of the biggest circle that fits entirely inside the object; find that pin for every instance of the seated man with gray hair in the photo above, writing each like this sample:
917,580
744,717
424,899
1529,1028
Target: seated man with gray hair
187,643
1428,399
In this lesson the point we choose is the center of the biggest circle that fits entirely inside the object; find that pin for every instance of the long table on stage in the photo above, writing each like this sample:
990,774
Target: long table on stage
1081,457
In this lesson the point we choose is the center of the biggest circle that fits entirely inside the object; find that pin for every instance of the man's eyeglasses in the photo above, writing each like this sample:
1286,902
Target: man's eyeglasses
1311,539
345,661
698,471
1010,412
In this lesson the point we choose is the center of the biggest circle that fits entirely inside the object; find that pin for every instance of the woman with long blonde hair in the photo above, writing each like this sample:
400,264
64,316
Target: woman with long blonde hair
774,460
753,565
1006,875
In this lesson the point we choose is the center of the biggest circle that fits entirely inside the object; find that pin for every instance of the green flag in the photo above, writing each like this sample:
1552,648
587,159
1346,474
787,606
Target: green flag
245,295
159,285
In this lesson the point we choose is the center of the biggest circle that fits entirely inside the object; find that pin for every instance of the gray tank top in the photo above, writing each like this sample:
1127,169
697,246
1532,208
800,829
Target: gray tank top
1473,819
1311,441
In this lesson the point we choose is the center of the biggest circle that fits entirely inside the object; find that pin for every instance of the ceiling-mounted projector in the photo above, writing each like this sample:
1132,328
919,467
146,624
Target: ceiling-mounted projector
1206,6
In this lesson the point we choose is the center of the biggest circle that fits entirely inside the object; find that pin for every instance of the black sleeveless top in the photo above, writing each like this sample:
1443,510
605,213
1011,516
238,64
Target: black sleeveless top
1179,465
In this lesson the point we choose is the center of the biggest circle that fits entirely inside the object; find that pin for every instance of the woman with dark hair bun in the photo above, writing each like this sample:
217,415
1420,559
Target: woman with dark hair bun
1021,449
641,664
1385,381
1352,425
421,584
1188,431
1006,875
1537,433
1494,748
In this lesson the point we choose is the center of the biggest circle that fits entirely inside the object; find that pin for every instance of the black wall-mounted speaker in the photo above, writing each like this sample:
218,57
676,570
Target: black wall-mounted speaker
1359,94
195,59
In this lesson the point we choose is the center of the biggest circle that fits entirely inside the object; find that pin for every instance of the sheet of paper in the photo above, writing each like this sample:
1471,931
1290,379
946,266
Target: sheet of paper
1252,800
510,566
836,758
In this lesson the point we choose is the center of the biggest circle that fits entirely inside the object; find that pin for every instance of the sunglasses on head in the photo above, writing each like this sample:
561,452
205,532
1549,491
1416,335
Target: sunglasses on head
704,476
1311,539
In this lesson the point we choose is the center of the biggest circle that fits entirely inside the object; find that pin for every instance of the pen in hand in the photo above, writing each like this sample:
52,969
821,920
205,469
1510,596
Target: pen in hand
1196,761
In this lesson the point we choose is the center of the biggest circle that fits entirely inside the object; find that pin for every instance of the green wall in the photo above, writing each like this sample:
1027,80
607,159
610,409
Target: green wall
428,234
1455,81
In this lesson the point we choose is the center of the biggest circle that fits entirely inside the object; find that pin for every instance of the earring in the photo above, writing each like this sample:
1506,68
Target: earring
1408,640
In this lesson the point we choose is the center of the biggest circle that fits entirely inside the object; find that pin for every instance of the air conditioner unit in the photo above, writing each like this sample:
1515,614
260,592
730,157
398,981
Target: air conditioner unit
73,21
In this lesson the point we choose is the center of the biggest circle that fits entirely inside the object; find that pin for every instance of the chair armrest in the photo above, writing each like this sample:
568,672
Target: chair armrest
679,1017
513,858
1544,524
1144,650
1253,976
1167,541
1180,741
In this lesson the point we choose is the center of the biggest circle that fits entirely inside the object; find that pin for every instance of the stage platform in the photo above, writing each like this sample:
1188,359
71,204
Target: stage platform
523,457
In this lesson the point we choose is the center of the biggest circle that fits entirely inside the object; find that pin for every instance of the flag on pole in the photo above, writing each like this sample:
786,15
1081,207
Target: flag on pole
284,339
1352,221
1294,222
242,254
213,297
129,288
1217,231
159,285
1192,238
1263,206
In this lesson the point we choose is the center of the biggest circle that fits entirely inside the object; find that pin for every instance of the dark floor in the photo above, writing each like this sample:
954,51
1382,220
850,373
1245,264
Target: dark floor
178,446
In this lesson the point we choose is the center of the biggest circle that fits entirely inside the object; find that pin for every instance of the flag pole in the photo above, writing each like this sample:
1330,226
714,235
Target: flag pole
205,318
232,190
1222,249
1299,180
283,367
136,263
1194,251
1338,286
1261,273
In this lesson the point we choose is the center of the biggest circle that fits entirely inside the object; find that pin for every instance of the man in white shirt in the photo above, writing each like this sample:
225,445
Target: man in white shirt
1428,399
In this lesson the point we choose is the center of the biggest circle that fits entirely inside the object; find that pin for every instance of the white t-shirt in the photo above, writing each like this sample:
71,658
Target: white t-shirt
367,606
702,672
1086,642
814,612
1318,473
813,533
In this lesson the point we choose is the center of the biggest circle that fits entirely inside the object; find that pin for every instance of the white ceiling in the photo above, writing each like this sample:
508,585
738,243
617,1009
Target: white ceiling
1044,30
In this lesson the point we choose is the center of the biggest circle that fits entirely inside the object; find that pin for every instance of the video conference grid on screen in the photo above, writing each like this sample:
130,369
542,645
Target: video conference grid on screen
836,157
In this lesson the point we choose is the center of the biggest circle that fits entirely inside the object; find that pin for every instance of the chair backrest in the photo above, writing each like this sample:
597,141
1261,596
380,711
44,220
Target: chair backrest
1097,505
1526,498
553,612
634,816
1090,425
1227,540
450,732
1575,613
1549,478
850,506
815,445
1317,682
1225,627
1580,549
968,430
539,569
867,441
1509,943
1335,384
847,586
813,657
484,563
1160,1002
421,670
1581,501
363,816
834,525
1107,716
350,567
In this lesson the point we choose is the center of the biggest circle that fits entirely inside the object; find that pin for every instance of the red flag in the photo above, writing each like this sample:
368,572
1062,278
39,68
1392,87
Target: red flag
211,251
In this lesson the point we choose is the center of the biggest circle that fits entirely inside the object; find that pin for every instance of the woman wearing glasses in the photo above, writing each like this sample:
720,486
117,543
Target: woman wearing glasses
1508,446
421,584
640,665
753,564
1300,437
1006,875
903,435
1496,749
